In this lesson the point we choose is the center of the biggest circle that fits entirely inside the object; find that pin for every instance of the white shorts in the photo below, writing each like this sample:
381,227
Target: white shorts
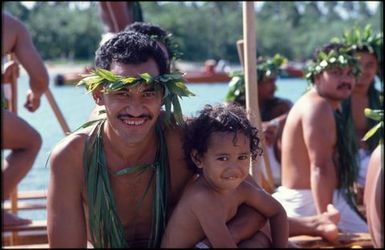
299,202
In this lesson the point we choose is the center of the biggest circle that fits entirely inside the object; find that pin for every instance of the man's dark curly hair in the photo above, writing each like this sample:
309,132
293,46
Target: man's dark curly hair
130,48
148,29
219,118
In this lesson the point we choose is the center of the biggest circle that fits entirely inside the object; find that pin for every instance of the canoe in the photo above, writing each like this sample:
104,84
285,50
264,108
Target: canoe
191,77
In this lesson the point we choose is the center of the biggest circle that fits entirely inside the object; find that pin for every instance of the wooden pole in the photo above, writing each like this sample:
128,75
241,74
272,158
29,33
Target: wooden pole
241,49
251,89
266,166
58,113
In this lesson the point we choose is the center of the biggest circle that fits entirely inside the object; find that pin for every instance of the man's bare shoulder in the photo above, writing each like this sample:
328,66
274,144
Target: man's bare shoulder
312,105
69,151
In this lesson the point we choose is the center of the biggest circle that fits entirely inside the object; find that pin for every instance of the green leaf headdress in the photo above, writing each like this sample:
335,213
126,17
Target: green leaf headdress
364,40
173,84
269,68
334,58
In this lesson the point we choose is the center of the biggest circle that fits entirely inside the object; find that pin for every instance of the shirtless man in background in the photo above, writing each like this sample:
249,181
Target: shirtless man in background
314,171
18,136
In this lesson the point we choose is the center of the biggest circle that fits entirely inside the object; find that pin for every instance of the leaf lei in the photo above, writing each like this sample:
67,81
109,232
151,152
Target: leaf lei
236,87
339,58
174,85
357,39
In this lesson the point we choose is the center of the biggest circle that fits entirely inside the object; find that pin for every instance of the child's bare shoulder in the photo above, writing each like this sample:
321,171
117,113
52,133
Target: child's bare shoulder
197,194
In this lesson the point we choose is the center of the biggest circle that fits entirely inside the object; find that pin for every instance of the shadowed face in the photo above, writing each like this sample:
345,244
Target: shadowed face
368,66
266,88
132,113
226,163
335,83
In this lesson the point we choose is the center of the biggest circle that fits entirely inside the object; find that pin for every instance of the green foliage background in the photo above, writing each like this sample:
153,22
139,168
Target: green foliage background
203,29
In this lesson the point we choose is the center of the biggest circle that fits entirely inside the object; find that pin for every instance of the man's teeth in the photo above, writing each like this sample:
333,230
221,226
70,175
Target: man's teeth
136,123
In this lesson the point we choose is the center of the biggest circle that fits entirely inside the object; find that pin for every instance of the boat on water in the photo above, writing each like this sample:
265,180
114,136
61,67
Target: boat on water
212,72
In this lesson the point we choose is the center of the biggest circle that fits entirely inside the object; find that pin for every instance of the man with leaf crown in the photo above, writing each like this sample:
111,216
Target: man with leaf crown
115,180
318,168
367,46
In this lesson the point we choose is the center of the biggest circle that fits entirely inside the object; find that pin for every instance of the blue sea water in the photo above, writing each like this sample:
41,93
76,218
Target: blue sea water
76,106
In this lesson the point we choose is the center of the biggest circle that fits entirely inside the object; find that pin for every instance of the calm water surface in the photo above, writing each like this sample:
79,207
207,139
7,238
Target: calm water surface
76,105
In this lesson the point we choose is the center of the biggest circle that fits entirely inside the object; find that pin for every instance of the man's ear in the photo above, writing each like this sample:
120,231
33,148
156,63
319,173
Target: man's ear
97,94
196,158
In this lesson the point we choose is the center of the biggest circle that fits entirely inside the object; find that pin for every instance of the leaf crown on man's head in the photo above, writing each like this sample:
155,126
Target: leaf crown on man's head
266,67
336,57
173,84
365,39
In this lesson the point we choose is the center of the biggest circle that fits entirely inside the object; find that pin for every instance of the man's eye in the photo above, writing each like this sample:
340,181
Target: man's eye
149,94
122,93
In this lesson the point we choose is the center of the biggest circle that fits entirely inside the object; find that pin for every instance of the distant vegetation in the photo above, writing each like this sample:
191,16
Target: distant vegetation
202,29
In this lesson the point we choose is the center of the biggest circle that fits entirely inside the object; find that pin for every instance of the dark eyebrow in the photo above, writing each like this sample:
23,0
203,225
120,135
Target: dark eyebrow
149,89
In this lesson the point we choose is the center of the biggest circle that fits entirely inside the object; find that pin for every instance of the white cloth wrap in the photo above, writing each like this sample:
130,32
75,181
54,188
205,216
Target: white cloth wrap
300,202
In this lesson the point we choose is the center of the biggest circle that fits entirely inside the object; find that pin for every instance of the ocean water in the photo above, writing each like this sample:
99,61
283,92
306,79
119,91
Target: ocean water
76,106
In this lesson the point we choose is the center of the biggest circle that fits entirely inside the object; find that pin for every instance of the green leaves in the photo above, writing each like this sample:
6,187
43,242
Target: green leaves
335,58
174,85
236,87
366,39
377,115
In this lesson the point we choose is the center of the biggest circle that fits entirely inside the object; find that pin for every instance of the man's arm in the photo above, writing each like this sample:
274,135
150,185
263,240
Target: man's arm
319,133
66,220
28,56
116,15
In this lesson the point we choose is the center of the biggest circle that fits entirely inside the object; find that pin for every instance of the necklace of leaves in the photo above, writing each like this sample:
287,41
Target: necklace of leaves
173,84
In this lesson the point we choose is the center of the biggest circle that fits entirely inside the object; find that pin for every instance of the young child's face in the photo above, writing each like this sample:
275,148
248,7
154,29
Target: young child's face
226,163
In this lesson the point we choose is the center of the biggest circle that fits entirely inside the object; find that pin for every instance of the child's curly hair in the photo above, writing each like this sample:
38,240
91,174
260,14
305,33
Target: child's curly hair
219,118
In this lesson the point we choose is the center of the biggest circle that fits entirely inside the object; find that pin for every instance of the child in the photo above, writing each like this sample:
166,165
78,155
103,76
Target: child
219,144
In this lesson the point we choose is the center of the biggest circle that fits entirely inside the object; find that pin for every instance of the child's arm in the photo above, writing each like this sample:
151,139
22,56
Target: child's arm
271,209
212,219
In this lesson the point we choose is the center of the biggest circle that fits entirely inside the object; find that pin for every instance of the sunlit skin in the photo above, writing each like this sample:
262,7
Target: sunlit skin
129,139
213,199
18,136
335,84
95,112
309,137
225,164
132,112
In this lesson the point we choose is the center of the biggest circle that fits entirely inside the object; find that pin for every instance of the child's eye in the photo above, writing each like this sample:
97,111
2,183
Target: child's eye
243,157
223,158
